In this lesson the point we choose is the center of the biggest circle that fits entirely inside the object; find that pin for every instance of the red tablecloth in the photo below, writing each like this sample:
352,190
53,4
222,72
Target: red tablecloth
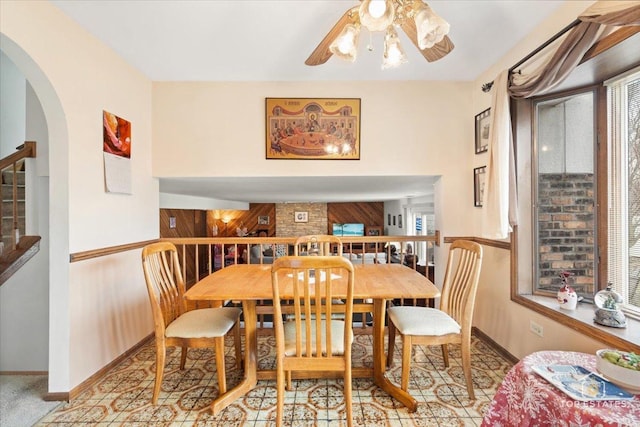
526,399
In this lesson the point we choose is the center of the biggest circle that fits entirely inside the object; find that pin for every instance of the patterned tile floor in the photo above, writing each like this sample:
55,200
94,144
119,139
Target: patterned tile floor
123,396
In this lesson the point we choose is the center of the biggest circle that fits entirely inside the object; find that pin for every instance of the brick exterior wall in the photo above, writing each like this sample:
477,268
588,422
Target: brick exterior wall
566,230
286,226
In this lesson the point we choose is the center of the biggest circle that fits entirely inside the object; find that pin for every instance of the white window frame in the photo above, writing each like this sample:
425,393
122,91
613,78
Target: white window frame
618,189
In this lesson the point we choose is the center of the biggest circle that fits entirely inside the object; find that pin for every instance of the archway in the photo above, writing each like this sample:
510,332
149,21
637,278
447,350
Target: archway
58,221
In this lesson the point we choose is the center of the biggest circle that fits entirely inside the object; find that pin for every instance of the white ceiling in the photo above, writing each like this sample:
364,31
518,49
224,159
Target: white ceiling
264,40
304,188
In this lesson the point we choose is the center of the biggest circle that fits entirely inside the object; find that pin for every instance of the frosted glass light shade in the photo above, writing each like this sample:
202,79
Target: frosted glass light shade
376,15
345,46
393,53
431,28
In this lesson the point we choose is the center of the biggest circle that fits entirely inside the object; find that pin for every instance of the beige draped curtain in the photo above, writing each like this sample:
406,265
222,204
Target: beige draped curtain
559,60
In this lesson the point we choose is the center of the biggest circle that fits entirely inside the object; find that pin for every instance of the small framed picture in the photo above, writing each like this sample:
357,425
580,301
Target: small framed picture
399,221
172,222
479,178
388,219
394,220
301,216
263,220
483,126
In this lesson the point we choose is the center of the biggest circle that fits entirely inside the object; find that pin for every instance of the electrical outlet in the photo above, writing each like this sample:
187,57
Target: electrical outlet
535,328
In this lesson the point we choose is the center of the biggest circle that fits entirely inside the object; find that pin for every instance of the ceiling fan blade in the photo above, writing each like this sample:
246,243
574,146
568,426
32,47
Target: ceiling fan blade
321,54
438,51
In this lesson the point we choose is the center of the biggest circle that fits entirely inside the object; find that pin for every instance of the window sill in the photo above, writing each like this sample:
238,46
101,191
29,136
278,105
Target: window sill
581,320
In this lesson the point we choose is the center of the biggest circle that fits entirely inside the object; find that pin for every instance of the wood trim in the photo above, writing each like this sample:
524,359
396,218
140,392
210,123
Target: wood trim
24,372
601,208
98,376
28,149
486,242
609,41
590,330
56,397
513,269
95,253
14,259
494,345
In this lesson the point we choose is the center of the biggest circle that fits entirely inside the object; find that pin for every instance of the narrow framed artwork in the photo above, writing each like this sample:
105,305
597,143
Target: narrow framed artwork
301,216
399,221
313,128
116,147
479,177
483,125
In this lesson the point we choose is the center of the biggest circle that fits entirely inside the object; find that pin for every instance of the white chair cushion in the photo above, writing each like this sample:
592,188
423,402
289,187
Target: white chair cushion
337,337
411,320
204,323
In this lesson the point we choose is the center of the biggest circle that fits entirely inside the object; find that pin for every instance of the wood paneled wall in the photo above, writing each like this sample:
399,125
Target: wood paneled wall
241,219
196,223
188,223
368,213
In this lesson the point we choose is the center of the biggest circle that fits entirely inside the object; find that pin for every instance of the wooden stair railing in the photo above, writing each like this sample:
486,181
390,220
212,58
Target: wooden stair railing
16,249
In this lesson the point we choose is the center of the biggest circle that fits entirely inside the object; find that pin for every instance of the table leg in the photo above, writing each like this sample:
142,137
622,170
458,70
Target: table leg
250,360
379,311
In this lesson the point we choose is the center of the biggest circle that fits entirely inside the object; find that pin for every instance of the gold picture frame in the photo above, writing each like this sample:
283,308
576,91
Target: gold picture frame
313,128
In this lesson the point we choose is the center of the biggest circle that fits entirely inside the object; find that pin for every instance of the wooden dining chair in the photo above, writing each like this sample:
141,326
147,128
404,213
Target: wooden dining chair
451,324
318,244
174,325
304,287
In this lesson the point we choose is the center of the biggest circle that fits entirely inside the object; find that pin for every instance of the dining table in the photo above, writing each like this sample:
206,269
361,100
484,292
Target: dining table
374,285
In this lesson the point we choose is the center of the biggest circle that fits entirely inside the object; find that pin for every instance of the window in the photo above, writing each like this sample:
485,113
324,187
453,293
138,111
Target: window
585,200
611,144
623,110
564,188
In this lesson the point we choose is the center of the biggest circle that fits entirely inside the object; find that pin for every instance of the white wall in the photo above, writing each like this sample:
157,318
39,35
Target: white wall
393,208
12,106
76,78
504,321
24,298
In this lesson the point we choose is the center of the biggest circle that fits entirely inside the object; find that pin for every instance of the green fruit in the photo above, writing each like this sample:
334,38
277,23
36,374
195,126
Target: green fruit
626,360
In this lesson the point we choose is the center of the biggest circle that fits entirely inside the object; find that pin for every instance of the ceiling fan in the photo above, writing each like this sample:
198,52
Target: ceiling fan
426,30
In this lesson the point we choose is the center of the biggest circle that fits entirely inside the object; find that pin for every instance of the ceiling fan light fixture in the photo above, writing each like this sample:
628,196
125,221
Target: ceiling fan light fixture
431,28
426,30
376,15
345,46
393,53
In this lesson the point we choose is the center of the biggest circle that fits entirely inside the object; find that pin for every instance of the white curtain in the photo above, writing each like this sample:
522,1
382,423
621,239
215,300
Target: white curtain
560,59
499,204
